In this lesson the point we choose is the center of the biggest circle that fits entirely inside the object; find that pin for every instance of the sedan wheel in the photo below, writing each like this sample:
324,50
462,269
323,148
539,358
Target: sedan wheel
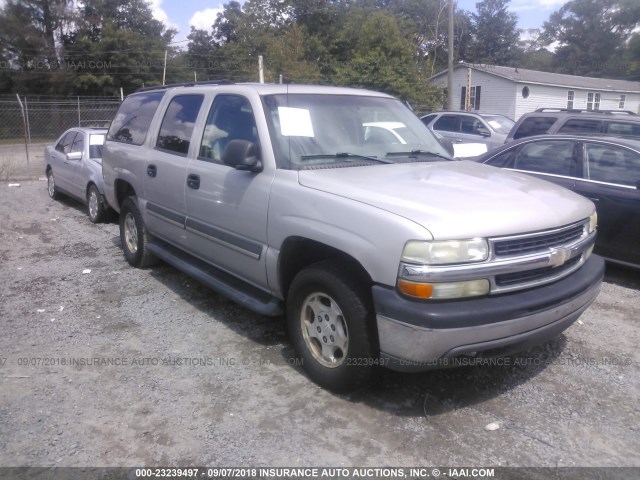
97,211
51,185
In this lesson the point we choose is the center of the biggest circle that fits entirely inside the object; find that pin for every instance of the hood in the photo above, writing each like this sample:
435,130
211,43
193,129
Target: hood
457,199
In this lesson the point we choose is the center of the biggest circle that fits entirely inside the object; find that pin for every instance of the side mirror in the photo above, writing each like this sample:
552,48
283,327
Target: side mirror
74,156
242,155
484,132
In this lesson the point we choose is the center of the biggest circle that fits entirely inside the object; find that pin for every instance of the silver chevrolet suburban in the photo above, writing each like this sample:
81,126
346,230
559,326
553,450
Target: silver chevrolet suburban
374,244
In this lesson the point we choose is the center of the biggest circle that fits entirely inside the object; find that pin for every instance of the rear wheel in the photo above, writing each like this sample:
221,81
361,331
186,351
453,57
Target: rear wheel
134,236
51,185
95,205
330,324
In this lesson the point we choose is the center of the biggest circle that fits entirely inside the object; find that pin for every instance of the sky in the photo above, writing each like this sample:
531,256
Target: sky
182,14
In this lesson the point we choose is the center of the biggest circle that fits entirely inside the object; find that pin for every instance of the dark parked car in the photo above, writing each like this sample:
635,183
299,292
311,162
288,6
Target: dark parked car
73,165
603,169
576,122
470,128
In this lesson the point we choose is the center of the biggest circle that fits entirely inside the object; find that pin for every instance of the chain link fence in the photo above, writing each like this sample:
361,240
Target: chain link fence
28,124
43,119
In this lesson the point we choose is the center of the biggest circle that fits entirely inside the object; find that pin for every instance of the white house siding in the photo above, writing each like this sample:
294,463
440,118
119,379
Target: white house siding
504,96
496,94
545,96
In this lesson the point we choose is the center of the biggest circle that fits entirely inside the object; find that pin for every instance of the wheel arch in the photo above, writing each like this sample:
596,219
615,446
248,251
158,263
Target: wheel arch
298,253
123,189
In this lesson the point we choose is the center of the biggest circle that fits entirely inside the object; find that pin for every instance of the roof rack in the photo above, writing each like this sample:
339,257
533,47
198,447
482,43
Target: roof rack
186,84
581,110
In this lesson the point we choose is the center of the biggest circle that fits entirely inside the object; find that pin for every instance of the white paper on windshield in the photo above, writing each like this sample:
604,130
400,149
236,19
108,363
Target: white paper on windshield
493,124
462,150
295,122
96,139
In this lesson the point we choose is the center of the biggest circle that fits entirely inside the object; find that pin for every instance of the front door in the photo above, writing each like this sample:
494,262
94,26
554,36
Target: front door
227,208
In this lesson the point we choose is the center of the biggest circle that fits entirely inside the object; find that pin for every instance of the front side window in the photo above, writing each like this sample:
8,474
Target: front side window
471,125
78,143
230,118
322,130
503,160
64,145
178,122
554,157
612,164
132,121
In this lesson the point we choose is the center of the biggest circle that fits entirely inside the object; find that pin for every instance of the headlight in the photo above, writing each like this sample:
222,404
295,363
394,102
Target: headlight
444,252
593,222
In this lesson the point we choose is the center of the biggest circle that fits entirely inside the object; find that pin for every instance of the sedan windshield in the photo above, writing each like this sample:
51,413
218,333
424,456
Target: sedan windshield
499,123
312,130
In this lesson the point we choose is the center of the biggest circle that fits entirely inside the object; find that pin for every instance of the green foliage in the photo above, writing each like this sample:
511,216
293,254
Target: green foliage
494,33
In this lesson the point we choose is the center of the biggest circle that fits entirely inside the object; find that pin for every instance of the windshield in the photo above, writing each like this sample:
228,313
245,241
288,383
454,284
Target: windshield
499,123
96,140
311,130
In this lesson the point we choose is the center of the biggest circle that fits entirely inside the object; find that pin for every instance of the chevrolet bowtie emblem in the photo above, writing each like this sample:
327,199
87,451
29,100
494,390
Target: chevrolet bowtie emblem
559,256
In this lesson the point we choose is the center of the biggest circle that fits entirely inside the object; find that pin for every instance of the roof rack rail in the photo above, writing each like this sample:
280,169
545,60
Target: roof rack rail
582,110
186,84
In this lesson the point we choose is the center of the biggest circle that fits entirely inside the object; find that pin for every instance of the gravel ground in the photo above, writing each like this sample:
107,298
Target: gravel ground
125,367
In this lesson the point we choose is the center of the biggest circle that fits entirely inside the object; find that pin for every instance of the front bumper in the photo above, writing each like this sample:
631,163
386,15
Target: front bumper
419,336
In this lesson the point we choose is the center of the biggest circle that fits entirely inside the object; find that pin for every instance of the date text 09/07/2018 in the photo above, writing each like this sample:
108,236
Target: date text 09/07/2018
313,472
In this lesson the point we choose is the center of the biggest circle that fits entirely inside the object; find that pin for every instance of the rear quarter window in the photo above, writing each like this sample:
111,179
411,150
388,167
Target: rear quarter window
627,129
133,118
534,126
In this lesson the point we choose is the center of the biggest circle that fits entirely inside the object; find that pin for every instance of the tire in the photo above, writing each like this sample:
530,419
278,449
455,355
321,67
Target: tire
134,235
51,186
331,326
95,205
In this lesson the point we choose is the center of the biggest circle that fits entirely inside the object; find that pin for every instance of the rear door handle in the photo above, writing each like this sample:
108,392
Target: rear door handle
193,181
152,171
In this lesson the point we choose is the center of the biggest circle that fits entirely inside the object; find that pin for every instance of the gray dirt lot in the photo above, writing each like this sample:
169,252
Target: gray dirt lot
138,395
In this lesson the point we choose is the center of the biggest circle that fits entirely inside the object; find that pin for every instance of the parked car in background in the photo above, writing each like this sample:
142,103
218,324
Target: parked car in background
576,122
466,127
73,165
397,132
603,169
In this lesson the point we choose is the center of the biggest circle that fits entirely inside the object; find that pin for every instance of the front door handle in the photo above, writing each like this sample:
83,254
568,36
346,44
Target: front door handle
193,181
594,200
152,171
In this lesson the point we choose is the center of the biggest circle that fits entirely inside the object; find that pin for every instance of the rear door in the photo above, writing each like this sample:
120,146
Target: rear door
611,180
165,176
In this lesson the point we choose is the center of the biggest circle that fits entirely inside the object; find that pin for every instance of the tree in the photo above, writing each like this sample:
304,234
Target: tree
592,36
494,33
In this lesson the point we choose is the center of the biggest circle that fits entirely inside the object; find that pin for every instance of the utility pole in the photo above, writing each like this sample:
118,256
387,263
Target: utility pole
450,59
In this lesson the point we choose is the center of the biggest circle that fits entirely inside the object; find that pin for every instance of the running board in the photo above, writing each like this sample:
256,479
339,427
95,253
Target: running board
222,282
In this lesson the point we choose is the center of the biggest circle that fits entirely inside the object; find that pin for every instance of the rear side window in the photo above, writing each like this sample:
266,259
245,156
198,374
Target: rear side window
447,123
178,122
534,126
134,116
612,164
580,125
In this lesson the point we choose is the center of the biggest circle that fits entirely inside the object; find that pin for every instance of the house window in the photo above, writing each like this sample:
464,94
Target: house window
474,98
621,103
593,101
570,96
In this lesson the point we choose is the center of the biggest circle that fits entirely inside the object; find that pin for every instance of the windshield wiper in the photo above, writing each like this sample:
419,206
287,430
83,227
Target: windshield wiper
416,153
345,155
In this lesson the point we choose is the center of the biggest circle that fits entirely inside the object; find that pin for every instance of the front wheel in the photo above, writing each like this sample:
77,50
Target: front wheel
134,236
331,326
51,185
97,210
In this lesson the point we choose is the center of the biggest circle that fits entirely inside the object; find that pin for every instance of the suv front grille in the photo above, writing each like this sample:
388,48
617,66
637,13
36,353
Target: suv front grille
516,278
537,243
